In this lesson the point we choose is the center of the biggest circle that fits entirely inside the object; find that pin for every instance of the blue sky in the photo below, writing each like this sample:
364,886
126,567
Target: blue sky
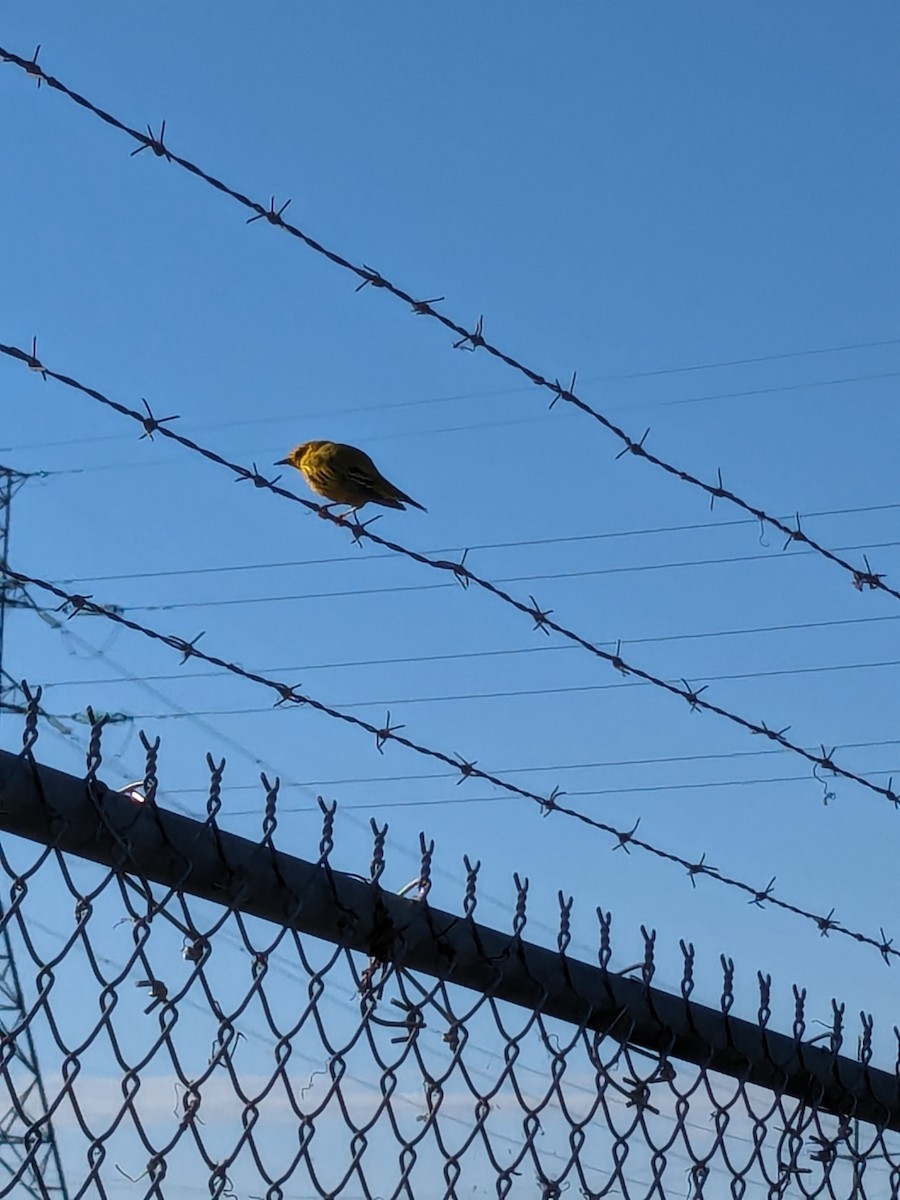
693,206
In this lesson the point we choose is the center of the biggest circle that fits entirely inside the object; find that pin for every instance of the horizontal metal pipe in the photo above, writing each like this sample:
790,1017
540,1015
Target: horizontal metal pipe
97,823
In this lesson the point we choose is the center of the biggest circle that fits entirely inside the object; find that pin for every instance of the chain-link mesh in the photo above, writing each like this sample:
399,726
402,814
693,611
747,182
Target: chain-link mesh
190,1045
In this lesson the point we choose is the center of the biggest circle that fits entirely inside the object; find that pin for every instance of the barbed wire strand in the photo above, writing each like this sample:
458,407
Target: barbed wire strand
473,339
625,839
465,576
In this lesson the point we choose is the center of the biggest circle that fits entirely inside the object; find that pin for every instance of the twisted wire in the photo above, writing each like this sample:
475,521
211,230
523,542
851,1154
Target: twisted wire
470,339
464,575
624,839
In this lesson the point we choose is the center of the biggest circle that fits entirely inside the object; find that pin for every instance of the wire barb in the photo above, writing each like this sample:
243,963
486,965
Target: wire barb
151,423
33,362
541,616
869,579
760,897
560,392
187,649
634,447
422,308
471,341
692,695
371,276
255,476
154,142
270,214
387,731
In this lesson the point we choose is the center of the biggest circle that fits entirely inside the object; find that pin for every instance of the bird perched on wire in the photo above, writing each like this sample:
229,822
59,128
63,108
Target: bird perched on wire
345,475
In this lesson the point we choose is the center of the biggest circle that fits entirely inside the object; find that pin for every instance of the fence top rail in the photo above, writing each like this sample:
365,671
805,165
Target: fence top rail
86,818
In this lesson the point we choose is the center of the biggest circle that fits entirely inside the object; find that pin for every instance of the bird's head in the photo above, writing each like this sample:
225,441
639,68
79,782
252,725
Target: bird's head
295,457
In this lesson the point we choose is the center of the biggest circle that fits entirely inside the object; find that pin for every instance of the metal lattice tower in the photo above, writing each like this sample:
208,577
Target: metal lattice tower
18,1141
10,482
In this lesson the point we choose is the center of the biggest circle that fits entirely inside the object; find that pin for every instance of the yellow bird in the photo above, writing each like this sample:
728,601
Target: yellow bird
345,475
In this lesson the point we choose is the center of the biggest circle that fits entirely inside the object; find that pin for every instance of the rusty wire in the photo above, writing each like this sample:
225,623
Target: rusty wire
298,1064
465,769
542,618
467,339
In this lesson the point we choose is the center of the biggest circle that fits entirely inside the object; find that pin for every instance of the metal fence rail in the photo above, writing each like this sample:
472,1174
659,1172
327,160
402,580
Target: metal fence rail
215,1017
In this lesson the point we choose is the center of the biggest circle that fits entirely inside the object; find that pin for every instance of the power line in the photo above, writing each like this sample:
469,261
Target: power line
742,362
664,760
510,545
239,601
477,654
468,339
625,839
514,693
589,793
407,435
770,391
292,417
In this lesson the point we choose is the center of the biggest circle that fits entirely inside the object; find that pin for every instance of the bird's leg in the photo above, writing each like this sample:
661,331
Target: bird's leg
345,518
325,511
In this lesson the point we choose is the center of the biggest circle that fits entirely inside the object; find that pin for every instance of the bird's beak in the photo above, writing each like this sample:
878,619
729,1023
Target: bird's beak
282,462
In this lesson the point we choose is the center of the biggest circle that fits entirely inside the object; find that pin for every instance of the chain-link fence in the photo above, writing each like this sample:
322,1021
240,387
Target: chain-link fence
187,1012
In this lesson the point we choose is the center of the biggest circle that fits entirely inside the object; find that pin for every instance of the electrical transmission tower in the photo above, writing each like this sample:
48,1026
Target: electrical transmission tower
10,482
22,1141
